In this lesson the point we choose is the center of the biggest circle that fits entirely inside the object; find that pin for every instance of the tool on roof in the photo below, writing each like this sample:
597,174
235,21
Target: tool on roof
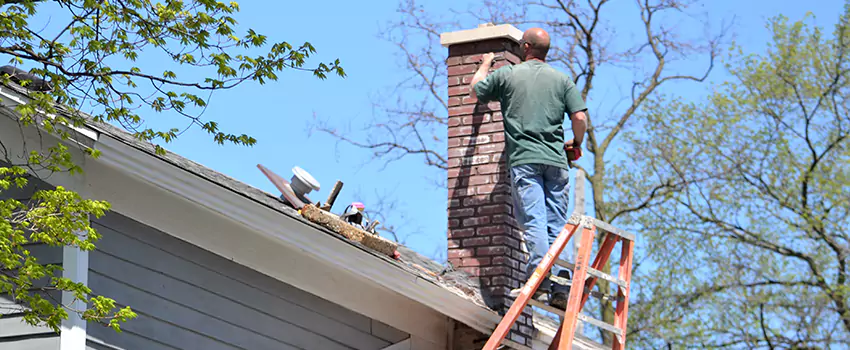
355,214
362,231
332,197
586,227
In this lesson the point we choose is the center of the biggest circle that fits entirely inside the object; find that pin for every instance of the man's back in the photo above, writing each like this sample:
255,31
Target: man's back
534,98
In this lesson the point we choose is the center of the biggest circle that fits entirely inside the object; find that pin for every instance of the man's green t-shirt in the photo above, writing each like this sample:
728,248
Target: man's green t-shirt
534,98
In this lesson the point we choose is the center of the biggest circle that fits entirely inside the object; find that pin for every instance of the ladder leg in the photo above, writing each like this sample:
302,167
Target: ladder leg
621,314
556,341
577,289
598,262
530,287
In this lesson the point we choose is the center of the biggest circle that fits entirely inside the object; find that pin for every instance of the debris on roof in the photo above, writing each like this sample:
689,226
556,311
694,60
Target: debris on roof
335,224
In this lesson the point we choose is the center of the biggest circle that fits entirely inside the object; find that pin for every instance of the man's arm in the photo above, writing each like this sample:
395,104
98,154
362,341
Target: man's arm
481,73
579,123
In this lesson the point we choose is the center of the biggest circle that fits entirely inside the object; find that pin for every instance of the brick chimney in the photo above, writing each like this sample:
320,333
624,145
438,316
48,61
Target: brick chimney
483,238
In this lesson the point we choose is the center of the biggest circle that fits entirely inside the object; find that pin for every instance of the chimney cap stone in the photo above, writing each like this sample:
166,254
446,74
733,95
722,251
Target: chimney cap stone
485,31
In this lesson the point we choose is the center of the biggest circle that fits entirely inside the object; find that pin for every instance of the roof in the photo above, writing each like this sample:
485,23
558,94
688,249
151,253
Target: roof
455,282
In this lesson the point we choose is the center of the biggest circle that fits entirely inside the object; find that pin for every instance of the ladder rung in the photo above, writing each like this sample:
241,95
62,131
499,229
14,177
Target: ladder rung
595,273
548,308
608,327
582,317
565,282
577,219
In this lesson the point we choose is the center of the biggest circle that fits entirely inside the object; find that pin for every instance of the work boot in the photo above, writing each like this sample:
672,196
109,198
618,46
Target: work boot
560,293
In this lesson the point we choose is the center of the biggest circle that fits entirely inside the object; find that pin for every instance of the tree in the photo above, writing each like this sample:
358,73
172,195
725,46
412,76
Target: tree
90,64
758,230
588,44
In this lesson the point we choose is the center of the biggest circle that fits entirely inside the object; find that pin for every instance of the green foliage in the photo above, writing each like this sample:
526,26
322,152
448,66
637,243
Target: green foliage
90,63
749,242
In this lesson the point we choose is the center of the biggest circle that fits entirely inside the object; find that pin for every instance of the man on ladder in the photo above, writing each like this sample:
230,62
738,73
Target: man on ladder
534,97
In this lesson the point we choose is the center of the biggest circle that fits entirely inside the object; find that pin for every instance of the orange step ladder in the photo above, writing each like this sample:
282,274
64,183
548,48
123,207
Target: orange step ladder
583,279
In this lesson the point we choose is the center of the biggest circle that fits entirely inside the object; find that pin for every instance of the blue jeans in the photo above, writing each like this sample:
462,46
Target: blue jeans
540,206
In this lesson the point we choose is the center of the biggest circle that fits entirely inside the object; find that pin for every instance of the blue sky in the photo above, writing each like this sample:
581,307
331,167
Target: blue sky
278,114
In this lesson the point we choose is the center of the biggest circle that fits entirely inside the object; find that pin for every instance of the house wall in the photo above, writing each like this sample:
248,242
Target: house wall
15,334
188,298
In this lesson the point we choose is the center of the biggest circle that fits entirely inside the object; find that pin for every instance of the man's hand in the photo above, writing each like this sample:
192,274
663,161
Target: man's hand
481,73
573,150
488,58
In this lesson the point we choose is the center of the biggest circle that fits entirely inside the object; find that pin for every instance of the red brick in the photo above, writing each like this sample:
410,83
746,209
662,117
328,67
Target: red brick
476,119
461,253
462,233
454,81
461,110
454,101
453,163
457,172
495,270
454,61
453,243
505,240
484,281
499,137
473,58
460,192
467,79
485,189
460,130
510,57
490,148
488,128
457,262
501,198
497,116
487,169
504,219
461,152
500,280
462,213
471,270
476,221
455,203
454,223
464,69
476,140
494,209
476,200
485,251
518,275
476,241
454,122
475,160
492,230
470,100
454,141
514,254
459,90
500,177
497,157
478,180
504,260
475,262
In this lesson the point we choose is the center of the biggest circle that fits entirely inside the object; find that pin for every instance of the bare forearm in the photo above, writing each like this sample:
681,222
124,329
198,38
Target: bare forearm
480,74
579,124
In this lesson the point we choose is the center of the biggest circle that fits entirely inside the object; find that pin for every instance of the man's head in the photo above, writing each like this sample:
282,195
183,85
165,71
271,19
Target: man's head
535,44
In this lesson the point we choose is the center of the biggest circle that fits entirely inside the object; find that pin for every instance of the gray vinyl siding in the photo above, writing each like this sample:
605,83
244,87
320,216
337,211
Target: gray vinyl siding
15,334
189,298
